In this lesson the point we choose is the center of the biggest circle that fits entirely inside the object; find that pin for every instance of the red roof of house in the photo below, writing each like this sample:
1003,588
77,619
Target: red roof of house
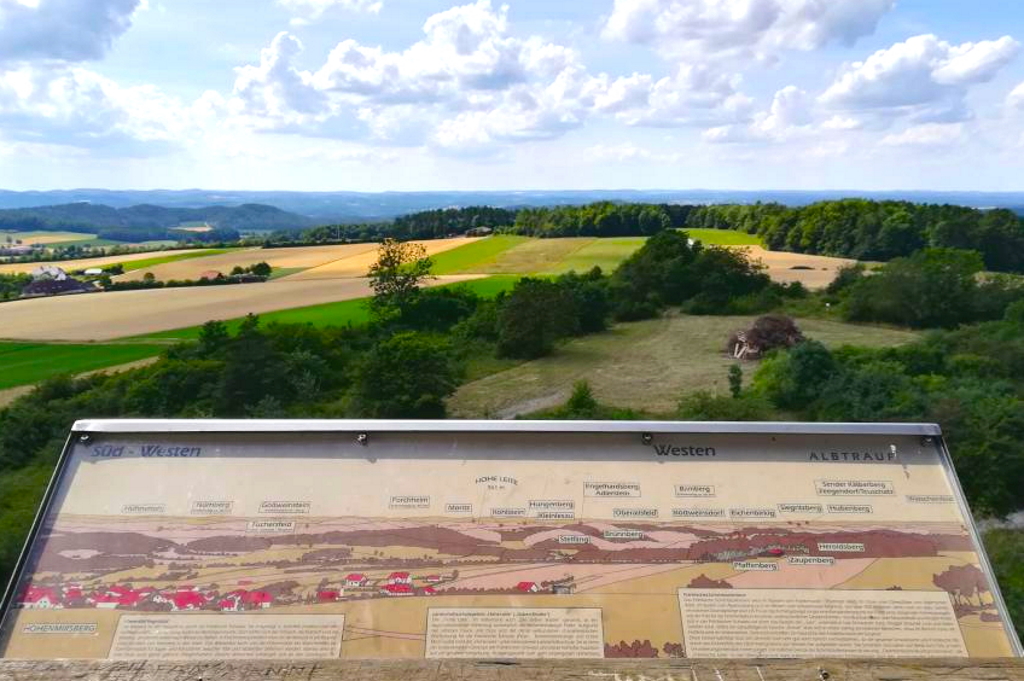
34,594
329,595
398,588
225,603
526,586
429,590
399,575
258,597
355,577
187,599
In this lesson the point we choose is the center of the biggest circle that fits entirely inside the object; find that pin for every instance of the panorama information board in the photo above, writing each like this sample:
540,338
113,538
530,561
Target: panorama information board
334,539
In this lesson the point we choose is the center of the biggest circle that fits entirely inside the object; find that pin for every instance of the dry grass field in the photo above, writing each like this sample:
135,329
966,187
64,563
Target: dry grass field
44,238
278,258
356,263
85,263
815,271
645,365
345,261
106,316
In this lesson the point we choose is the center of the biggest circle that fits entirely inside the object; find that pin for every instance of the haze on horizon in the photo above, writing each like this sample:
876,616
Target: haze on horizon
409,95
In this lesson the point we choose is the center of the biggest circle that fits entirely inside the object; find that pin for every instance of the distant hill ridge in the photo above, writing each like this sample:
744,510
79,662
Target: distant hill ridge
148,222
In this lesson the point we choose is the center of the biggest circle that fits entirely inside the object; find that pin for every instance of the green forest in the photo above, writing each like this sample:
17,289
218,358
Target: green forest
861,229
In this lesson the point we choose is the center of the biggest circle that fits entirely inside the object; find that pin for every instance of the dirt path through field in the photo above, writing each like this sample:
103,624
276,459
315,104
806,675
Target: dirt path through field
108,316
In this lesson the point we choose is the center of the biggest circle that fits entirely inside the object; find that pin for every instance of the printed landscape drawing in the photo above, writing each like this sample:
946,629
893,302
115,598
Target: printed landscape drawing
506,548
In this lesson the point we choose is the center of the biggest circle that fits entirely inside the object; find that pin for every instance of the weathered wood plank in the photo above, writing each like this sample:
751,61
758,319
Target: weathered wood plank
575,670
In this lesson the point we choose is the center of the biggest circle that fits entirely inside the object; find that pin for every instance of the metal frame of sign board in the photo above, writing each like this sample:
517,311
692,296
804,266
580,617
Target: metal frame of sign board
87,428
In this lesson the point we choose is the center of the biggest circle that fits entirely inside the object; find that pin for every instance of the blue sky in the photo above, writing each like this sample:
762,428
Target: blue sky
378,95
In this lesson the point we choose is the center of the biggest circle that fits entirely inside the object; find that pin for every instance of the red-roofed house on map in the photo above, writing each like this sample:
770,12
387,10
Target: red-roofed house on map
399,578
528,587
259,599
40,598
396,590
328,596
356,579
187,600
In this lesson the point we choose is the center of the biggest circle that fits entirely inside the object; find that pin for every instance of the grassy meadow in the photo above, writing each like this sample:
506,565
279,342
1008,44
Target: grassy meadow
646,365
28,363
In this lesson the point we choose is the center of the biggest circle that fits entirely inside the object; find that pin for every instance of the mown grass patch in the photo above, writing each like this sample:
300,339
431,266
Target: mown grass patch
28,363
607,254
647,366
341,313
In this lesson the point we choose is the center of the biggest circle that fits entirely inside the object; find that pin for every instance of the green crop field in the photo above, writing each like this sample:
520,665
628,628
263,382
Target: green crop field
341,313
504,254
607,254
28,363
475,257
644,365
724,237
160,260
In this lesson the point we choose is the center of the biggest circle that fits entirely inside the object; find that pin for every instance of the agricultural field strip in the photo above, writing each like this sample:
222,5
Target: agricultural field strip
85,263
28,363
110,316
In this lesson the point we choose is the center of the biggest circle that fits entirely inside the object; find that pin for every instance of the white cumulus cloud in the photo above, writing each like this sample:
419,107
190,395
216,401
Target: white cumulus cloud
708,29
66,30
922,75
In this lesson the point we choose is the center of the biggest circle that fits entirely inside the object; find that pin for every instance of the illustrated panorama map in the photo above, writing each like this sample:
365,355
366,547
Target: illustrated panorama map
504,544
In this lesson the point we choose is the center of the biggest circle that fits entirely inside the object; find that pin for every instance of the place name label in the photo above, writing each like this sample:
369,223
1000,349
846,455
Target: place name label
611,489
212,507
623,534
931,498
409,501
698,512
285,507
508,512
853,488
573,539
458,508
555,515
552,505
752,513
754,566
75,628
863,457
270,526
143,509
810,560
850,508
695,490
801,508
635,513
841,547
